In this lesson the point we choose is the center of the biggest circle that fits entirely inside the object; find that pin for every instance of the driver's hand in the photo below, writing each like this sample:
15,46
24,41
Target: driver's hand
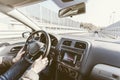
18,56
39,64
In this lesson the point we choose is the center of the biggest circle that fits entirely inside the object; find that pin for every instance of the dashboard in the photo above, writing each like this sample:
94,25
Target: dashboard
54,40
74,58
86,59
70,56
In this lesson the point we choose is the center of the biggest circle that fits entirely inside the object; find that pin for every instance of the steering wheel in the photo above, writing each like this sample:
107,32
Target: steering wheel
34,47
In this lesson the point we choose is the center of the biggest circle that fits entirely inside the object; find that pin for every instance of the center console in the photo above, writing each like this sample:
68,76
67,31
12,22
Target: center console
69,60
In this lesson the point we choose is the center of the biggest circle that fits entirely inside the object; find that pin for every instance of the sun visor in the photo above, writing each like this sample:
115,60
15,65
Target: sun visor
67,3
18,3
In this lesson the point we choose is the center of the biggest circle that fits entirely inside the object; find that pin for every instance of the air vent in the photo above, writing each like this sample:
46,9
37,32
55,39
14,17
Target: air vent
67,43
80,45
16,49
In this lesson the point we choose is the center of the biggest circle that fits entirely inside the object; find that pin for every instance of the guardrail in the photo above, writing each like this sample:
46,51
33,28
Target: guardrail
11,33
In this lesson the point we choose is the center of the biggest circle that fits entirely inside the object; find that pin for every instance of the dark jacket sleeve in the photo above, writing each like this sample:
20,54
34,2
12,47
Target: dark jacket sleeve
28,75
6,64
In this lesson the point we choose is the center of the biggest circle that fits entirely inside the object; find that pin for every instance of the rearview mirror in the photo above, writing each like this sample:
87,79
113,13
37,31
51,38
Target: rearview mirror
72,10
67,0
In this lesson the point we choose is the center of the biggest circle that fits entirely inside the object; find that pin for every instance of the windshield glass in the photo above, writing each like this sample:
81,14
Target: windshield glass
47,18
11,30
101,19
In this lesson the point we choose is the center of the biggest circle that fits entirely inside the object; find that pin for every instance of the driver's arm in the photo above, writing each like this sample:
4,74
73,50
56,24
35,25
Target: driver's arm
30,75
5,63
36,67
8,61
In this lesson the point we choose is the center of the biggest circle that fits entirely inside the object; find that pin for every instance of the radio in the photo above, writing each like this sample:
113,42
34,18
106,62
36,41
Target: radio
70,58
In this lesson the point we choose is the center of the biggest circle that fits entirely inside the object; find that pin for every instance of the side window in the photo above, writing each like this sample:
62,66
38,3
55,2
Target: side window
11,30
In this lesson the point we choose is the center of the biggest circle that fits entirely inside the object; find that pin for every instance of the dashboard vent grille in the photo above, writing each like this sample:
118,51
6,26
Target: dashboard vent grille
67,43
80,45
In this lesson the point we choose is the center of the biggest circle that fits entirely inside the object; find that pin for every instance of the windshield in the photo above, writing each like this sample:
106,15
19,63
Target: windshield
46,17
101,19
11,30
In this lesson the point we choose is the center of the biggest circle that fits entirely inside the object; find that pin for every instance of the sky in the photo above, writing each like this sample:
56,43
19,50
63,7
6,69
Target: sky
98,12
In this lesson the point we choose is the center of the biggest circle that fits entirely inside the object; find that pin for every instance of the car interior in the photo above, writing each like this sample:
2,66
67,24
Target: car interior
70,57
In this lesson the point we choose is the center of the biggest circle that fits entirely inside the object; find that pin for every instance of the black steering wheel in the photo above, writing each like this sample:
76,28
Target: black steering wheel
34,47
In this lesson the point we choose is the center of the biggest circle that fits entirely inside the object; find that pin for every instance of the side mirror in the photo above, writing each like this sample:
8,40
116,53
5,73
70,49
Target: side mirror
26,34
72,10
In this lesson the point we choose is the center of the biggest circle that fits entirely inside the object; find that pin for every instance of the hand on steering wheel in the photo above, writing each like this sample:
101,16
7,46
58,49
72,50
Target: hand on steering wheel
31,46
18,56
39,64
